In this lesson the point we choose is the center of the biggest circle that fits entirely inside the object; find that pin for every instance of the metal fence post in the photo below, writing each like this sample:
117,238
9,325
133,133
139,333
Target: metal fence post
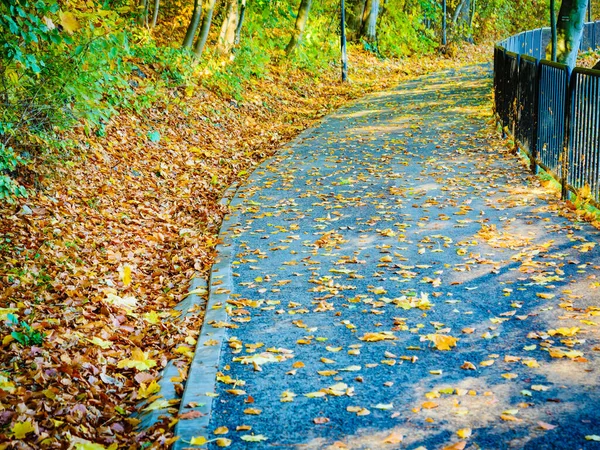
564,192
533,150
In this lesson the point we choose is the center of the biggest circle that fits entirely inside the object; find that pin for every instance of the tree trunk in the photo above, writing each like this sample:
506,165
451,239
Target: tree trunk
143,19
188,40
238,29
209,9
227,34
355,21
569,31
552,30
457,12
371,12
301,20
155,15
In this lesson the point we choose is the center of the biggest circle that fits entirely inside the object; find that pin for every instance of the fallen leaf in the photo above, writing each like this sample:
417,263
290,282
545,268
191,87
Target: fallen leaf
21,429
320,420
394,438
190,415
464,433
440,341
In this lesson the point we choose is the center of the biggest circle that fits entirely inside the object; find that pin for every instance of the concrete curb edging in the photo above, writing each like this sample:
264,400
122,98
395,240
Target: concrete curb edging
167,387
202,374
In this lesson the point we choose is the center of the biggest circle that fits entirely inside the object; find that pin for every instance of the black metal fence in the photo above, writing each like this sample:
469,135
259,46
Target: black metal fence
552,112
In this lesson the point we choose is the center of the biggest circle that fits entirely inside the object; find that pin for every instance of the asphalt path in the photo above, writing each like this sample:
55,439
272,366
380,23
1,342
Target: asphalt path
396,279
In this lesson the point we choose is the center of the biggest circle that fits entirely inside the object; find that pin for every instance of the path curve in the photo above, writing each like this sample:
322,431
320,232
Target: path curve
395,279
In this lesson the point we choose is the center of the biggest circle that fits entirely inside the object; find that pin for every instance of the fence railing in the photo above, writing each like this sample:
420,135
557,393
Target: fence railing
552,112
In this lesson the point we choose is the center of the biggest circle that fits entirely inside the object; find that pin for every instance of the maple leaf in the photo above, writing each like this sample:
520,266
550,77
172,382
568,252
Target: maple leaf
68,22
441,341
564,331
22,429
139,360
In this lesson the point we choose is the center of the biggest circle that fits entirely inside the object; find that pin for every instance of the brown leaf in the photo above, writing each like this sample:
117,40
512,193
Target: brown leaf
190,415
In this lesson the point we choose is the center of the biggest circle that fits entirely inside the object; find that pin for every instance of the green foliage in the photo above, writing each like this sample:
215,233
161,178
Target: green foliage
497,19
403,34
9,188
24,334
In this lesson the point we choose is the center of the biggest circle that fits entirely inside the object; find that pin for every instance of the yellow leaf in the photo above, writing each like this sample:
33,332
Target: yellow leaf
145,392
198,440
545,296
327,373
333,349
532,363
139,360
160,403
380,336
464,433
315,394
126,276
68,22
440,341
152,317
429,405
223,442
86,445
564,331
100,342
21,429
287,396
6,384
4,312
221,430
252,411
509,376
236,391
487,363
379,291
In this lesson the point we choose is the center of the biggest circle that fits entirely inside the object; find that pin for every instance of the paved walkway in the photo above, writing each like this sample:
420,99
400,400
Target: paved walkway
393,281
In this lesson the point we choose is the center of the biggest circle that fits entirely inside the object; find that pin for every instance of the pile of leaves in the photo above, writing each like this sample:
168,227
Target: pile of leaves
93,262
